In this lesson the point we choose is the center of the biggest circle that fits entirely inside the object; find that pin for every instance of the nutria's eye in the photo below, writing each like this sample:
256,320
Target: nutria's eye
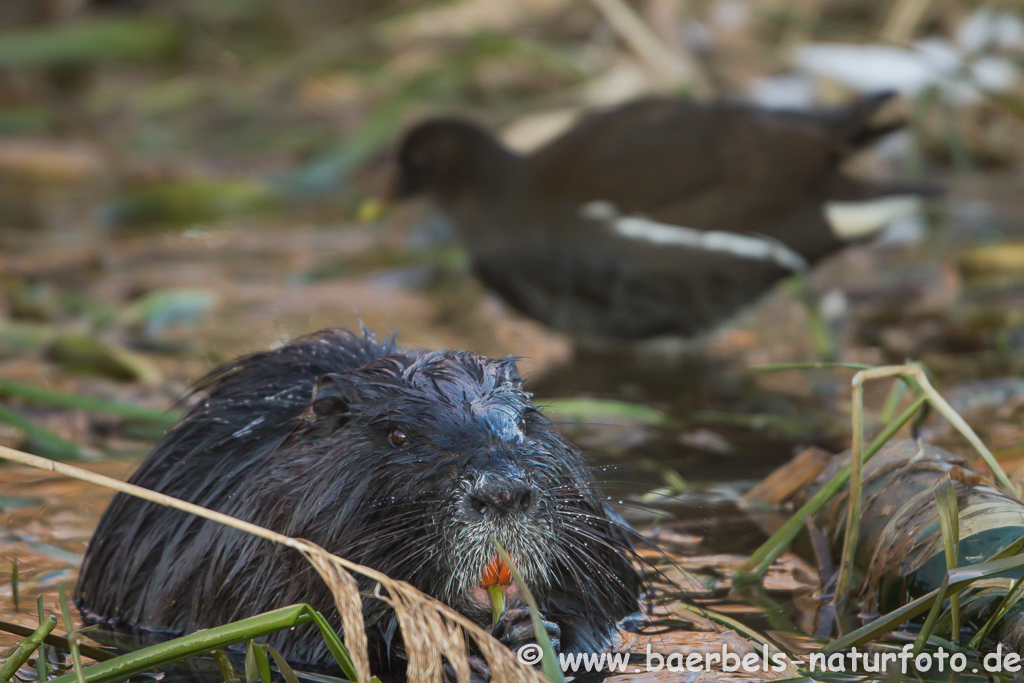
522,423
397,437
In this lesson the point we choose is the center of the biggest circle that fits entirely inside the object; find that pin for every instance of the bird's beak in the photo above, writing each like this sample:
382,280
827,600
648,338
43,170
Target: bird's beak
388,190
371,209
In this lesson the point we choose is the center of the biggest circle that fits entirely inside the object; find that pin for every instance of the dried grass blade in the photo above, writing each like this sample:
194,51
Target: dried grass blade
345,591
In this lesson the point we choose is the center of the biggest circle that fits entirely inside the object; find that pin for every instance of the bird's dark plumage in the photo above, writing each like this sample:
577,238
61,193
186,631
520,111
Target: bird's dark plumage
662,217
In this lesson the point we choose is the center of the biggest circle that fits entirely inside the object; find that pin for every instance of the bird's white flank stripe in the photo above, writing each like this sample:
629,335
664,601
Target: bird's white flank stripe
740,246
851,220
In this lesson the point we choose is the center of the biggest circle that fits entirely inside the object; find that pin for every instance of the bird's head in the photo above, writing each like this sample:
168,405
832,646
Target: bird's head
447,158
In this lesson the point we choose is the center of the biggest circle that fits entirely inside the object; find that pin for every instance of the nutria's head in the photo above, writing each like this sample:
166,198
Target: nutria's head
427,457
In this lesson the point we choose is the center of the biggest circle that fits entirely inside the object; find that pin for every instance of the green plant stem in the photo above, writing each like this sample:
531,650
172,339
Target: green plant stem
943,408
25,648
41,667
76,655
55,640
853,502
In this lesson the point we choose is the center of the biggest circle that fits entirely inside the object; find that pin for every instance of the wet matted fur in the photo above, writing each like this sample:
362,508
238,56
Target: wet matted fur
301,440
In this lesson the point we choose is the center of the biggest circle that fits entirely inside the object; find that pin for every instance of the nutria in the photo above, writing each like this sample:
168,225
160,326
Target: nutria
402,460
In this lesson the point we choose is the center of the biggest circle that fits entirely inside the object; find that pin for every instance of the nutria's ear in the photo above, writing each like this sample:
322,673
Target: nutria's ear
510,372
332,397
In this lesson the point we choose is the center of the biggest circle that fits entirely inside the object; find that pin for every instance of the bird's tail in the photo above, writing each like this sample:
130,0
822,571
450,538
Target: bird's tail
854,127
853,124
857,208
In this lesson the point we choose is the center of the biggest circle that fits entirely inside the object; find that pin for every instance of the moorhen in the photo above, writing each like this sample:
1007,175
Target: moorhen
660,217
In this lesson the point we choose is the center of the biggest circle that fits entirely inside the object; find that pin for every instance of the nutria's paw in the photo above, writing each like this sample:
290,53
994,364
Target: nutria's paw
515,629
479,672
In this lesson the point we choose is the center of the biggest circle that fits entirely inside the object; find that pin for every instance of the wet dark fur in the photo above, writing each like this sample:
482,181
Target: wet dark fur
297,440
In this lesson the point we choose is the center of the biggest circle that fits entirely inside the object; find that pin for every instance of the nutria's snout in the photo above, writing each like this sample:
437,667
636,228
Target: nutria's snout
494,497
509,509
499,503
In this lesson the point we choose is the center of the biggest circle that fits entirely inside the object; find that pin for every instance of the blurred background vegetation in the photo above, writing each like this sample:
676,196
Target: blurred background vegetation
181,181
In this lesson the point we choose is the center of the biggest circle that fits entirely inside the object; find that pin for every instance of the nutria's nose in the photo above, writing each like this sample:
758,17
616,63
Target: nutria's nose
492,496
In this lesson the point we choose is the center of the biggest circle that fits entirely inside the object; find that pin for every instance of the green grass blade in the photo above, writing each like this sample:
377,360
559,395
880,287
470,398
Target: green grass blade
201,642
282,665
943,408
594,410
874,629
76,654
257,666
1010,599
14,585
88,42
735,625
777,367
963,576
955,580
57,641
44,442
336,646
90,404
949,519
250,663
852,532
227,671
550,662
262,661
755,567
1014,548
933,614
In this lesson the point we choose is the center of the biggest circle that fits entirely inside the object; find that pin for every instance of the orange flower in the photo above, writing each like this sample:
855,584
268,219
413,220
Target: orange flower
497,573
